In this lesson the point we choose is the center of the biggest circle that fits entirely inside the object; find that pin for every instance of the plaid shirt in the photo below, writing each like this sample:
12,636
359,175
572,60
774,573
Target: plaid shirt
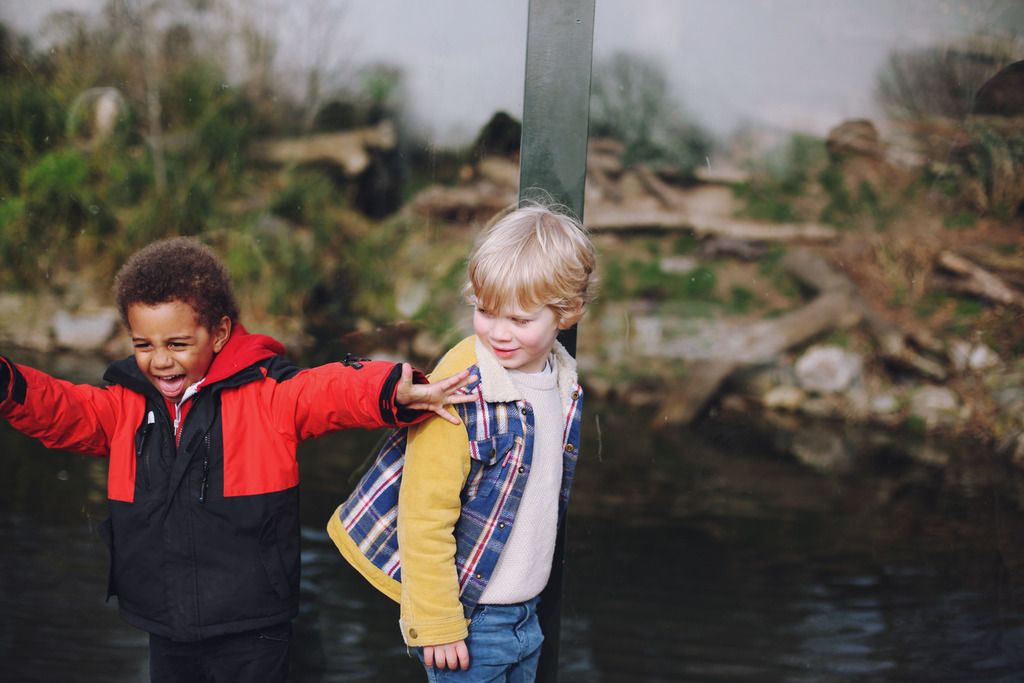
500,437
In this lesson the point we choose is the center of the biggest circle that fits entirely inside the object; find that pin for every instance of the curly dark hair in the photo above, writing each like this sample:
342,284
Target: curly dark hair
177,269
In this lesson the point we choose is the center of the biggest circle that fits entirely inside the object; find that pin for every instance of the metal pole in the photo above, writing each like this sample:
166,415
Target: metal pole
553,169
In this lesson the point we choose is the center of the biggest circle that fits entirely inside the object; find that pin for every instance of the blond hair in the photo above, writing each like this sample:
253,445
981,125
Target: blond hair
529,257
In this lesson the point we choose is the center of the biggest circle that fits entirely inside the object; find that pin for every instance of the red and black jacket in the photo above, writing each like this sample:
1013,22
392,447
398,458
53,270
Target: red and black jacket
204,528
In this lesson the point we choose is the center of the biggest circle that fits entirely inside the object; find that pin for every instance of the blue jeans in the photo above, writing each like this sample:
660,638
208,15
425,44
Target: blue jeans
504,645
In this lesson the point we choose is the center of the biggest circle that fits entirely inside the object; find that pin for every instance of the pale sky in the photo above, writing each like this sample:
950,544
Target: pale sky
787,64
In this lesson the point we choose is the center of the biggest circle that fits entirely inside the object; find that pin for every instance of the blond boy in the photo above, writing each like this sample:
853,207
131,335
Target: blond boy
458,523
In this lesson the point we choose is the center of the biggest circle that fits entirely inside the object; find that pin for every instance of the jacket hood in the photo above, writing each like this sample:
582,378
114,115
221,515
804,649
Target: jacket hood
242,350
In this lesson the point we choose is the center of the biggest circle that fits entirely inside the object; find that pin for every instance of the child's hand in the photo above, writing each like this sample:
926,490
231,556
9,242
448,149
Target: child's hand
434,396
448,656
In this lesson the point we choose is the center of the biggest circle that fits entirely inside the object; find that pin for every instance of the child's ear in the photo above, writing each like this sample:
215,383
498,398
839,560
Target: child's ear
221,333
572,315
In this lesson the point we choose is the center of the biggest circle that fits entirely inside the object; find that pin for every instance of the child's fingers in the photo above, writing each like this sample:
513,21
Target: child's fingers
459,398
463,654
456,381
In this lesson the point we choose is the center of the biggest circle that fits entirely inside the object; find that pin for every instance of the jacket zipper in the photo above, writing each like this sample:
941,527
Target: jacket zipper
206,468
140,446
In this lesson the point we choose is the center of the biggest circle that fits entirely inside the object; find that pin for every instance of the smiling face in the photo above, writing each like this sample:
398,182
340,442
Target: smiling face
520,339
171,348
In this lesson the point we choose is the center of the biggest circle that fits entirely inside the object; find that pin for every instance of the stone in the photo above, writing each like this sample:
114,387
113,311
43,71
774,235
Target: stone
501,172
648,333
784,397
935,406
966,356
410,296
678,264
854,137
884,404
85,331
425,345
828,369
821,449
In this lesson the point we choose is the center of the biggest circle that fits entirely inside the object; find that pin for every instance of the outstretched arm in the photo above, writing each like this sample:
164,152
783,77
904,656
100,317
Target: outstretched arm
434,396
74,417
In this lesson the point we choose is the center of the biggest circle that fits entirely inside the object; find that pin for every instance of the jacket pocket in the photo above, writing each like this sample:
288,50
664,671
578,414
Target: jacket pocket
106,532
490,458
273,563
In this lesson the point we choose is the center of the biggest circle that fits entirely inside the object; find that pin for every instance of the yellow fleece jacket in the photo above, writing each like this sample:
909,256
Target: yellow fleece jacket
437,463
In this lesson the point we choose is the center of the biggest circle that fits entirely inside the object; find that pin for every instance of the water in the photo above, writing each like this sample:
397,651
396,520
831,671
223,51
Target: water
706,554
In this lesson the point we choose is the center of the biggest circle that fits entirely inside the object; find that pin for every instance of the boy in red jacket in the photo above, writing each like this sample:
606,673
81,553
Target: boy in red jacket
201,426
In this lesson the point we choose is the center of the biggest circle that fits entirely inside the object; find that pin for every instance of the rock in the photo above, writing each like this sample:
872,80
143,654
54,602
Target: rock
855,137
1014,448
966,356
425,345
25,321
784,397
1003,94
828,369
883,404
410,296
648,333
929,455
822,449
85,331
678,264
935,406
501,172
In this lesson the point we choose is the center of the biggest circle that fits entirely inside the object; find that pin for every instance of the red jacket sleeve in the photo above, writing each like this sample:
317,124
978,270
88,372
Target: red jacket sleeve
74,417
337,396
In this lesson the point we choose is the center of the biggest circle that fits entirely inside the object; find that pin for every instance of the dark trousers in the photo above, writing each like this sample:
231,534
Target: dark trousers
259,656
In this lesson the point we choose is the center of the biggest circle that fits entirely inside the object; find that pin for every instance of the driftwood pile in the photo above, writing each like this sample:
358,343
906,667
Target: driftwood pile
646,199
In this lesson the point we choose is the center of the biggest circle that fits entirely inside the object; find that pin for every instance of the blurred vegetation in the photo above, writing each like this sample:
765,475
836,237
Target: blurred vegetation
780,178
947,96
941,82
129,129
631,102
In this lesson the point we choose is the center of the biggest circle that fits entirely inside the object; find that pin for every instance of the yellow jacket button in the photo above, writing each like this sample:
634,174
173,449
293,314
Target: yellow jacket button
412,633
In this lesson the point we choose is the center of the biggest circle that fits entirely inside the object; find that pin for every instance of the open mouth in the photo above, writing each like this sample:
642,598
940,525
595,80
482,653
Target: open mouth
171,386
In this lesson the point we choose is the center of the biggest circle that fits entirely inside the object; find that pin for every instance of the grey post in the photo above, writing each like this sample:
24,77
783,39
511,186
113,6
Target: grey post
553,168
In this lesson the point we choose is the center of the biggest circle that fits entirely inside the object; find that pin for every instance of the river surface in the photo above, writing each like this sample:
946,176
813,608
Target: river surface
703,554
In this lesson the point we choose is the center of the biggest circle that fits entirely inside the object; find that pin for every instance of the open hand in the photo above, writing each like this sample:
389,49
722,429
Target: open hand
434,396
448,656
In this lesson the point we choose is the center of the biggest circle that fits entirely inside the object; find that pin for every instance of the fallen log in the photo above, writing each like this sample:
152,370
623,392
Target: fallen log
462,204
837,305
658,188
348,150
603,218
974,279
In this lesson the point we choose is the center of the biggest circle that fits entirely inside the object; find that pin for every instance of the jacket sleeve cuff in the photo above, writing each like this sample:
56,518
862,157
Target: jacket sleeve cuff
420,633
390,411
12,382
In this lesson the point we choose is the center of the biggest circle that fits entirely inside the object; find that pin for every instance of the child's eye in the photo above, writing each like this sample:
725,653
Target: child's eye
521,321
484,312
